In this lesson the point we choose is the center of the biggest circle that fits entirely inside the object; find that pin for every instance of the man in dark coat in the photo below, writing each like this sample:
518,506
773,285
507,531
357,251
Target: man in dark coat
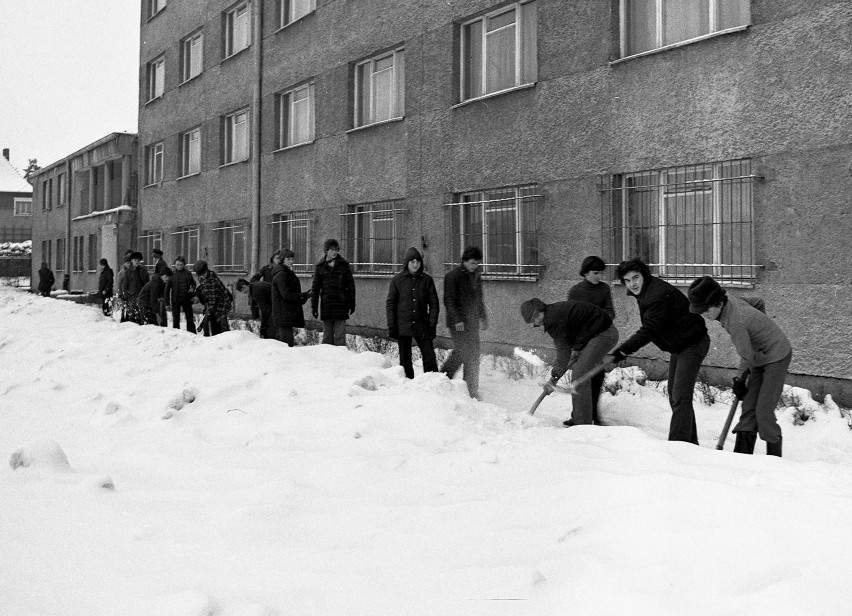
159,263
151,298
179,293
132,284
334,288
216,298
287,299
668,323
412,312
105,281
583,334
265,274
45,279
259,293
465,307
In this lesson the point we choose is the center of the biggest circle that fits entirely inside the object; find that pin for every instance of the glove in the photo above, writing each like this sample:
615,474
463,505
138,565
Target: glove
315,313
617,356
739,387
393,333
550,386
351,310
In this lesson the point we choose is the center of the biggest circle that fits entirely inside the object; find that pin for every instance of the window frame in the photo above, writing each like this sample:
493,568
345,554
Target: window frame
525,51
77,253
61,265
61,185
188,58
281,229
287,11
154,167
230,123
226,234
186,144
47,253
93,253
156,78
149,239
155,7
47,194
286,117
229,29
397,89
362,229
19,208
186,234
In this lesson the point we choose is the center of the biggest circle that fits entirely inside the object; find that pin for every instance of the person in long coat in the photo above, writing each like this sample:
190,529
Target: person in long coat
152,297
465,308
412,312
132,283
333,294
259,294
105,282
179,293
45,279
287,299
265,275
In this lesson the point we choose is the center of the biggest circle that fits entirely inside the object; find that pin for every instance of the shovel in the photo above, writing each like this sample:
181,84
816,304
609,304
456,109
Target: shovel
543,395
721,443
572,387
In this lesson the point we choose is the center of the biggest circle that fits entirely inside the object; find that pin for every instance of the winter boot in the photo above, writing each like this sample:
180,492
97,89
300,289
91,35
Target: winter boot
568,423
745,442
774,449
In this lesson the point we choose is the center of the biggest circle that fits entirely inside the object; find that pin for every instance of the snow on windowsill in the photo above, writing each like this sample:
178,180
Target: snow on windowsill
120,208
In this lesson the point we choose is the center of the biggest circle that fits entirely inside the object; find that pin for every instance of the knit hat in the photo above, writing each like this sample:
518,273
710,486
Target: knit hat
530,307
158,252
703,293
200,267
136,255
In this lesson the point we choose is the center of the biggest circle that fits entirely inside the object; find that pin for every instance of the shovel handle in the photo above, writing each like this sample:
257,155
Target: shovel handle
541,397
721,443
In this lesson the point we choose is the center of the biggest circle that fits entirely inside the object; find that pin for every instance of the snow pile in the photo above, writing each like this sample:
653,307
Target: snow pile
16,249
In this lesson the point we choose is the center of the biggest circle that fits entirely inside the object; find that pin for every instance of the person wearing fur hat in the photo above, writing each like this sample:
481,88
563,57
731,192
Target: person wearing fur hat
132,283
216,298
765,355
287,299
668,323
159,262
412,312
179,293
583,334
465,307
333,293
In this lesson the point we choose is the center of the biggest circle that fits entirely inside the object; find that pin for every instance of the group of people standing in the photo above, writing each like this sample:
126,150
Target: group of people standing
586,341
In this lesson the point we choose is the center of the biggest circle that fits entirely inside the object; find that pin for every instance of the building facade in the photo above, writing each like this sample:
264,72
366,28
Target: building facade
16,203
704,136
84,209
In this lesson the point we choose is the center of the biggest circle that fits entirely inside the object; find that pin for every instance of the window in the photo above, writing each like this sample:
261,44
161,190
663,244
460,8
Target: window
190,152
155,6
380,88
45,253
156,77
237,33
77,254
374,236
293,231
235,137
651,24
93,252
60,189
683,221
293,10
148,241
23,207
47,194
187,243
499,50
231,239
503,222
296,116
154,163
192,56
60,254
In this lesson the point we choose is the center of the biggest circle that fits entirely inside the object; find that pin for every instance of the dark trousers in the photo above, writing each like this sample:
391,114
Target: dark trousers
183,304
683,372
765,385
265,313
216,325
285,335
427,350
465,353
334,332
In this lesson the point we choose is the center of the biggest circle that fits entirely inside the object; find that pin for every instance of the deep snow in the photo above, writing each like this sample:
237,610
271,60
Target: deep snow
169,474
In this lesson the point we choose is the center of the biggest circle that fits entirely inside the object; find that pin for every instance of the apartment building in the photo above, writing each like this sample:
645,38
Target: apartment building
16,203
704,136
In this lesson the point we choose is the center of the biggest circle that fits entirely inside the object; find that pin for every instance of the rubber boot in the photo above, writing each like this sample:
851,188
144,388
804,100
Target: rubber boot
774,449
745,442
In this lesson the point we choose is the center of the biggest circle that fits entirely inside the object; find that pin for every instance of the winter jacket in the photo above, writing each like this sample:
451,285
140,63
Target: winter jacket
214,295
334,288
160,266
463,298
758,339
180,286
412,303
287,298
133,281
119,280
105,282
572,324
598,294
666,319
265,274
261,293
151,294
45,280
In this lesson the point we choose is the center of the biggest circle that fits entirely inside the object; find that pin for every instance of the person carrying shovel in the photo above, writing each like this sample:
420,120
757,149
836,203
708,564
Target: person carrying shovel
583,334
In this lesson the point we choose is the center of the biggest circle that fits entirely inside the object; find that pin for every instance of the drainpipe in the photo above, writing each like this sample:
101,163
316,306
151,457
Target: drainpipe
68,215
257,38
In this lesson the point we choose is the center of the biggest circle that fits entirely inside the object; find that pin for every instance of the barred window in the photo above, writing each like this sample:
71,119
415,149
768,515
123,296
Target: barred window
231,240
292,230
148,241
93,252
683,221
187,243
503,222
374,237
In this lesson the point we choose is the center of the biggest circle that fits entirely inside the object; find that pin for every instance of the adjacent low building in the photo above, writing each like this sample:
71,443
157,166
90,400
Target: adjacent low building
16,203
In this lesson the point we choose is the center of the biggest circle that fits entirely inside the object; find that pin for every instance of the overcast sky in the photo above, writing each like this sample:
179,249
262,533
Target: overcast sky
68,75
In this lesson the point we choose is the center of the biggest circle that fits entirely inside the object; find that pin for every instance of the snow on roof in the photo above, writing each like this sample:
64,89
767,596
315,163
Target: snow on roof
11,179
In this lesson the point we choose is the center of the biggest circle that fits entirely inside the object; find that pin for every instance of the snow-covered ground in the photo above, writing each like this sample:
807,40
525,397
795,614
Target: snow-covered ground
160,473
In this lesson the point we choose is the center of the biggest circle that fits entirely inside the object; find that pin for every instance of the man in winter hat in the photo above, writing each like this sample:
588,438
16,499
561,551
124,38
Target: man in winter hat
765,355
412,312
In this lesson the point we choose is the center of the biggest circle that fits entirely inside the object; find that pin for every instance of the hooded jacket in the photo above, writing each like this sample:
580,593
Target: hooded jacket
287,298
412,303
334,287
666,319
